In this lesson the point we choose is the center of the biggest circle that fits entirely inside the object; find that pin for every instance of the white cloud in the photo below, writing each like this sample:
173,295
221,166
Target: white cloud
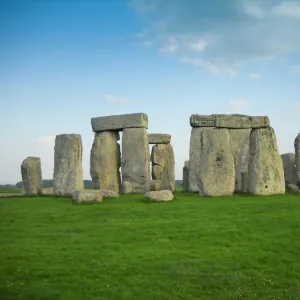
287,9
171,47
114,99
295,69
239,106
252,10
47,141
255,76
198,46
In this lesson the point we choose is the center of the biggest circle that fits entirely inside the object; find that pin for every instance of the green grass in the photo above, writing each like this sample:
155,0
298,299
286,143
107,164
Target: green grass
10,190
190,248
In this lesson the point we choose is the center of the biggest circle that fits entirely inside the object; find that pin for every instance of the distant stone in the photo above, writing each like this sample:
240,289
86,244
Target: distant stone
47,191
265,170
289,166
292,188
185,176
67,176
109,194
244,188
159,138
31,175
85,196
119,122
160,196
127,187
155,185
297,158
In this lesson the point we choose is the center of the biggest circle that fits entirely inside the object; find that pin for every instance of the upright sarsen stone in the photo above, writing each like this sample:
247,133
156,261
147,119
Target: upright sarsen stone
265,170
105,161
31,175
136,159
289,167
67,175
185,176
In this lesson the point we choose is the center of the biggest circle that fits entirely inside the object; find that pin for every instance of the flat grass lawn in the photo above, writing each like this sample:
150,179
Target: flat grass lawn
190,248
10,190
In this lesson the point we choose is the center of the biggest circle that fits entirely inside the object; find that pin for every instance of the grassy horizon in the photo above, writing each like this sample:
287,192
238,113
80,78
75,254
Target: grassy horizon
238,247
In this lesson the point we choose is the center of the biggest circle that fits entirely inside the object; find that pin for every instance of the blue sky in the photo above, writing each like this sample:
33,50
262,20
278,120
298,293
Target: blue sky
63,62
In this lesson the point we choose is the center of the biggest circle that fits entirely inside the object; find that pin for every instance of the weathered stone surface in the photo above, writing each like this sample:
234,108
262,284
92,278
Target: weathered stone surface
159,138
165,180
265,171
204,120
234,122
216,175
86,196
297,158
104,193
185,177
260,122
194,158
136,159
156,172
239,144
105,161
163,156
119,122
47,191
292,188
161,196
31,175
67,175
289,167
155,185
126,187
244,188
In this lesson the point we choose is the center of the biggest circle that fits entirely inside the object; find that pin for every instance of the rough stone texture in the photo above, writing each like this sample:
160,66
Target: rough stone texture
244,188
161,196
216,175
239,144
289,167
104,193
292,188
194,158
126,187
119,122
155,185
105,161
265,171
31,175
156,172
297,158
159,138
86,196
163,155
67,175
136,159
47,191
229,121
185,177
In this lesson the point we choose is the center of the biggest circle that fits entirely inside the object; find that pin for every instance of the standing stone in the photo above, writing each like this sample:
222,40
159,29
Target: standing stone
289,167
105,161
162,155
185,176
67,175
156,172
244,188
216,175
239,143
297,158
136,159
32,175
194,158
265,171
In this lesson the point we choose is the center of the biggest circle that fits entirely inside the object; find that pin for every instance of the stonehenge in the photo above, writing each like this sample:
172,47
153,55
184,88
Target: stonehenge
289,167
31,175
234,153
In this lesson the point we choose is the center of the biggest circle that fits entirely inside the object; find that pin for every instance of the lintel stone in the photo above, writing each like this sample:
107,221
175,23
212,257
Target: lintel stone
159,138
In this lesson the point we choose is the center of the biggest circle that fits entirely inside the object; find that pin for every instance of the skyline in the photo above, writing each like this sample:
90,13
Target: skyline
63,63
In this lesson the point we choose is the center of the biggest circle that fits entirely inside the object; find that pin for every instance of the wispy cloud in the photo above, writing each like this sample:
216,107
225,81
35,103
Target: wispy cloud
171,47
255,76
114,99
239,106
287,8
46,141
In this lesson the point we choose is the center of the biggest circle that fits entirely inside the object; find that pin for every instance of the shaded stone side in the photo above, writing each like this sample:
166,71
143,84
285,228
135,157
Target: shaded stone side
136,159
31,175
289,167
67,175
265,171
105,161
216,175
185,177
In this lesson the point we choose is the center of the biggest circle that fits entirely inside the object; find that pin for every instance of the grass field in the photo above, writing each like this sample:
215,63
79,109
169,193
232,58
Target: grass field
10,190
190,248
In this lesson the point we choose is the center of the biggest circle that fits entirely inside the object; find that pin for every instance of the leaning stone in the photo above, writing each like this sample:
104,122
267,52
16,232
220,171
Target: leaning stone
159,138
47,191
87,197
136,159
31,175
105,161
260,121
67,175
292,188
119,122
265,171
185,177
155,185
126,187
297,158
160,196
216,175
156,172
244,188
289,167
